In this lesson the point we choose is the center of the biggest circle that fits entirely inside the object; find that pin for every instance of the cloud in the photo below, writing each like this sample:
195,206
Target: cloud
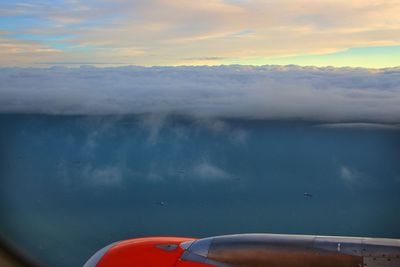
346,173
349,175
206,170
239,136
66,63
154,124
361,125
214,125
80,173
268,92
154,174
204,58
165,32
235,134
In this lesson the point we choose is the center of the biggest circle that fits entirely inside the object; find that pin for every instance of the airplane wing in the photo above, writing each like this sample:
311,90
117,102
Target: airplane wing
250,250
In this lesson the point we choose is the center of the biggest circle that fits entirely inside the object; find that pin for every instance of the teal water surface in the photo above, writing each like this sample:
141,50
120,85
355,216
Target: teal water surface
70,184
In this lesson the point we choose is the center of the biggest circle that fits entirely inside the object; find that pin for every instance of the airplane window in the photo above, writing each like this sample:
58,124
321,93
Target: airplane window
127,119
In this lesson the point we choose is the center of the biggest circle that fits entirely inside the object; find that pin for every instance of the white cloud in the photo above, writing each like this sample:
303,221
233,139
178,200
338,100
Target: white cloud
239,136
348,174
154,175
214,125
206,170
268,92
79,173
154,124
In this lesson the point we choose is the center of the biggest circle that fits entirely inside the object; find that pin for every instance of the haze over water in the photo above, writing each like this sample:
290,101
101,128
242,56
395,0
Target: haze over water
72,184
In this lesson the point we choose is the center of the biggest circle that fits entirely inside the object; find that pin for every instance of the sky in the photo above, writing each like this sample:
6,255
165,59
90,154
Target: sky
356,33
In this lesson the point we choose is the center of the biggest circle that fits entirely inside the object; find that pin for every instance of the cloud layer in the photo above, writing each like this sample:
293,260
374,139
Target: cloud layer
268,92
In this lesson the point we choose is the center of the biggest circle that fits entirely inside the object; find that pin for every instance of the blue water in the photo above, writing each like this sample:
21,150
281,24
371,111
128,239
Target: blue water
70,185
